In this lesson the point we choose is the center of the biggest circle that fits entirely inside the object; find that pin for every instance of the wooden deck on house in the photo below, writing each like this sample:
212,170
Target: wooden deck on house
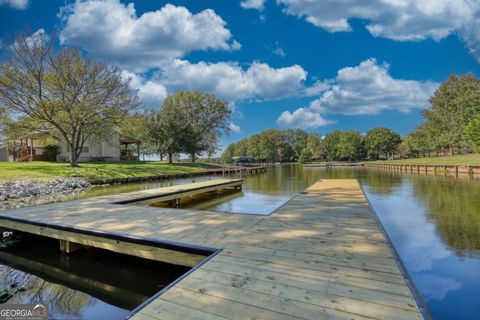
320,256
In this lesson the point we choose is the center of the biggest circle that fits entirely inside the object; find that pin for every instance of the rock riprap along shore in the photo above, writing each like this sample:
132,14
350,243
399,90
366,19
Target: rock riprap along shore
26,191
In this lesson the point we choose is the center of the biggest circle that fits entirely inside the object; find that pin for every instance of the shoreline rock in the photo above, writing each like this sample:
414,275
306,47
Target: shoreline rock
22,192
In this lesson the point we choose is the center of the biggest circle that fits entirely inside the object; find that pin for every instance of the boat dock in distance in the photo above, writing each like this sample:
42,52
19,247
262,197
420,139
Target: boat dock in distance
323,255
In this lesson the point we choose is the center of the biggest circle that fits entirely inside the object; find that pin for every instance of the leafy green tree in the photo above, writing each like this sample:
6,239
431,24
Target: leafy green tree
228,154
204,118
72,98
314,144
472,131
297,140
254,146
454,104
305,156
379,142
241,149
269,142
350,145
136,126
419,141
330,145
167,128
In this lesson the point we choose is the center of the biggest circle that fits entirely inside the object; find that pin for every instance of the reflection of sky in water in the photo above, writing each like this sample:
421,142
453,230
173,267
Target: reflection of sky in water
449,284
252,203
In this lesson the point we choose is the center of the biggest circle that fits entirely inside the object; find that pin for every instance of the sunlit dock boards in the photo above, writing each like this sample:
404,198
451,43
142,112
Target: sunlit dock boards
322,255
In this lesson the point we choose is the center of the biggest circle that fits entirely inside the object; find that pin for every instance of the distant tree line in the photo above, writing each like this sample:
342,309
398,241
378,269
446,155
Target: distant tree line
298,145
275,146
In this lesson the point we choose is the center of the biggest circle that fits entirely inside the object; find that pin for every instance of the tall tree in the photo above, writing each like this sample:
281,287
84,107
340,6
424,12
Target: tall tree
472,131
167,129
73,98
454,104
314,145
205,119
297,139
420,141
330,145
350,145
379,142
229,153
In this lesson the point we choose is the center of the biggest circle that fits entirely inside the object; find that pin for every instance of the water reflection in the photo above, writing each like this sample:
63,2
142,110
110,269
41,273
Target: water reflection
455,209
91,284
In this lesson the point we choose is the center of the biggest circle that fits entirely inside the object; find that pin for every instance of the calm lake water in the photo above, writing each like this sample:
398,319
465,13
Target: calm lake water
433,222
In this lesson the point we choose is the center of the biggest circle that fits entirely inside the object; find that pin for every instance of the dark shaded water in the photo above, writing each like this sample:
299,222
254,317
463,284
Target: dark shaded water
433,222
89,284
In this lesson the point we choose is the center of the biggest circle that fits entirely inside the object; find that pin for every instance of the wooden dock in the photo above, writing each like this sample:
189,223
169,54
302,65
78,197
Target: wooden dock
322,255
457,171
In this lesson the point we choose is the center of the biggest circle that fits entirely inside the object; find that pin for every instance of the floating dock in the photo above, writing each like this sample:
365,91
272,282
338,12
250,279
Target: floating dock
323,255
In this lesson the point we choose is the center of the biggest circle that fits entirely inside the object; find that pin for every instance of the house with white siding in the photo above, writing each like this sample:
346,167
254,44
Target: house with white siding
115,147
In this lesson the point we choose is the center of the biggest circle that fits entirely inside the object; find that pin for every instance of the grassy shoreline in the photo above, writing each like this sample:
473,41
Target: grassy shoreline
37,170
460,160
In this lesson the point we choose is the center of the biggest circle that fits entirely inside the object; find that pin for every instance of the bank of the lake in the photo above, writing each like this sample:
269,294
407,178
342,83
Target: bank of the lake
457,160
95,171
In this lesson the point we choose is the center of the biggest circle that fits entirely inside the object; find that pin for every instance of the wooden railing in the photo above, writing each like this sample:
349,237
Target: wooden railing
24,154
431,169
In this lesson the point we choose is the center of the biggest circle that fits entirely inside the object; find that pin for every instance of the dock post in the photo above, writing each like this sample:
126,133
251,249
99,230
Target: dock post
69,247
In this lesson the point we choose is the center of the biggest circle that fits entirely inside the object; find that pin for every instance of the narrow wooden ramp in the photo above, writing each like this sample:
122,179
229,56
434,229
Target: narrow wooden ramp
321,256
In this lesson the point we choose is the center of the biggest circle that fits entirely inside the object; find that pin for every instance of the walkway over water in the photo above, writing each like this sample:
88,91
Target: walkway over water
320,256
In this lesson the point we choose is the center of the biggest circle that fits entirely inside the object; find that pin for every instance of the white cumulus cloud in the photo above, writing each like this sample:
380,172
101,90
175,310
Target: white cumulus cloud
366,89
253,4
111,30
302,118
151,93
369,89
17,4
232,82
401,20
233,127
226,80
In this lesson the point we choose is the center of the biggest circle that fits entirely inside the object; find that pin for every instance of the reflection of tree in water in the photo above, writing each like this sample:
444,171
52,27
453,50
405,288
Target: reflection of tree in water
58,299
381,182
454,206
284,179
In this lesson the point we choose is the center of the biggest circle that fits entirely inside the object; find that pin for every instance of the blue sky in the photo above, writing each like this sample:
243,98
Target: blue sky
315,65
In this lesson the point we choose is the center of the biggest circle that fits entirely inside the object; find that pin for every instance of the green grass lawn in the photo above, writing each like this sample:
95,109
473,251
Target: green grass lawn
37,170
471,159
